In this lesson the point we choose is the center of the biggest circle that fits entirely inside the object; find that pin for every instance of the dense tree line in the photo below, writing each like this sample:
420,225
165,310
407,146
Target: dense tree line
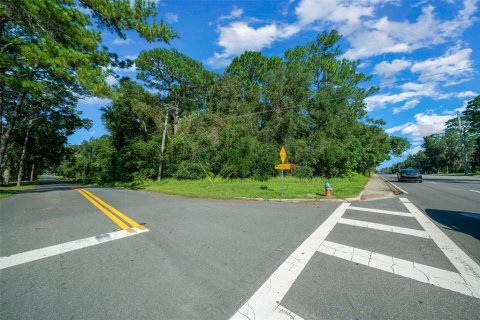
50,56
442,153
233,124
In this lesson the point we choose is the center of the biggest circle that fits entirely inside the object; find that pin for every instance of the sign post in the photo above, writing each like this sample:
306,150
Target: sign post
282,184
283,166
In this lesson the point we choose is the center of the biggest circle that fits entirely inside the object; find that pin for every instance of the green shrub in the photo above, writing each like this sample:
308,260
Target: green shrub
190,170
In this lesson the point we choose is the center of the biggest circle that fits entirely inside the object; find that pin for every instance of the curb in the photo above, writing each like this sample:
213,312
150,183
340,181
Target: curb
396,190
290,200
357,198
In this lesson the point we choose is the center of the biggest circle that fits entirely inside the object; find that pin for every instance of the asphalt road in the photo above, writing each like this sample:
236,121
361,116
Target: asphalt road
453,202
211,259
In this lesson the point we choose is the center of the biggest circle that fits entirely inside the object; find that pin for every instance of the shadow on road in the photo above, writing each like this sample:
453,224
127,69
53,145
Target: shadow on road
465,222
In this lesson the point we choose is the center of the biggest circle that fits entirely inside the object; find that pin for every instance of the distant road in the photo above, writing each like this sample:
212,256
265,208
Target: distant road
453,202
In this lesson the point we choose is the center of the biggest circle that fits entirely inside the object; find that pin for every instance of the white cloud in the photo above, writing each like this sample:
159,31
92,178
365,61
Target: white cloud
455,63
466,94
238,37
346,15
111,80
409,91
408,105
367,34
171,17
120,41
414,91
132,2
386,36
219,60
424,125
235,13
414,150
94,101
388,69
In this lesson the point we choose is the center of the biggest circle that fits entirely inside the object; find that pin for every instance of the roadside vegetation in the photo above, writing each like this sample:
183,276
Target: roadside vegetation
220,188
442,153
233,125
52,56
177,120
11,189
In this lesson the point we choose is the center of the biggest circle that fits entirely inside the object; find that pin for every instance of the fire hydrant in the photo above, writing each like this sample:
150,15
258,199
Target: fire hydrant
328,189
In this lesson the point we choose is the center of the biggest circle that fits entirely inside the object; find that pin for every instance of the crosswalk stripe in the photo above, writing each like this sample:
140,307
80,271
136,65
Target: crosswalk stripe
468,268
37,254
409,269
263,303
384,227
282,313
396,213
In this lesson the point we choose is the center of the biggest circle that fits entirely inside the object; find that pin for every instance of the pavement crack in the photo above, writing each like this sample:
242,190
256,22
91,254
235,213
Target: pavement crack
243,314
422,272
466,285
254,316
349,301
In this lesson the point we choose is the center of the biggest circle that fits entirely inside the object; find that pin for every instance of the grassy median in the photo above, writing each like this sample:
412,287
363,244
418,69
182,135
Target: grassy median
294,188
11,189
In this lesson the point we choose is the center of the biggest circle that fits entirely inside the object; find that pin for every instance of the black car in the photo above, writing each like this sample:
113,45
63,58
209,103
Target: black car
409,175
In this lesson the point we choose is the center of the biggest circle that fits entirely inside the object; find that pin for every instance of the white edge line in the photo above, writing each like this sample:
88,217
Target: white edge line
438,277
475,191
42,253
398,187
469,270
393,184
262,304
404,200
384,227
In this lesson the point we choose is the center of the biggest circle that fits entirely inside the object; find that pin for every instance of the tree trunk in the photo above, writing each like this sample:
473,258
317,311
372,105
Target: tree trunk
32,172
8,133
176,119
24,154
6,175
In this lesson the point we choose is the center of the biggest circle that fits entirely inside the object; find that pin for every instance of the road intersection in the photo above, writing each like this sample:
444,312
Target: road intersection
182,258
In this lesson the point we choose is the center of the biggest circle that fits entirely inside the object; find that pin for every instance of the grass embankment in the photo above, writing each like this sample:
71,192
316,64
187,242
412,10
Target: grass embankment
294,188
11,188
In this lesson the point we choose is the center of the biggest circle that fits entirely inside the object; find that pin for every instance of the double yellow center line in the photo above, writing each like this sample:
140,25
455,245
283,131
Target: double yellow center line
120,219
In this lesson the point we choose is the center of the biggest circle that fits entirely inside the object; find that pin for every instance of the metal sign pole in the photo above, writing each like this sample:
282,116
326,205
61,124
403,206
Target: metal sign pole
282,183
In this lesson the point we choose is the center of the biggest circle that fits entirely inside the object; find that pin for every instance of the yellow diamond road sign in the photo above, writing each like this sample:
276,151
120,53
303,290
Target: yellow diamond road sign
283,154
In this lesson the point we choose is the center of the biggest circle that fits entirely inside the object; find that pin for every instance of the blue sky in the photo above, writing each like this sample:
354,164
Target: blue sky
423,54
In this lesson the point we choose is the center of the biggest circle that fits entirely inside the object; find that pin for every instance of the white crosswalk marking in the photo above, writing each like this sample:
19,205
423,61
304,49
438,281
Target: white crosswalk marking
396,213
37,254
267,298
409,269
469,270
265,303
384,227
282,313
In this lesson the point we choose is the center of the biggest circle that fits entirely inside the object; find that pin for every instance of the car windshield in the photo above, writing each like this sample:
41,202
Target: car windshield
408,171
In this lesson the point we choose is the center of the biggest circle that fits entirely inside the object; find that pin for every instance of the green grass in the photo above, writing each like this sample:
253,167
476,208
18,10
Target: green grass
11,188
294,188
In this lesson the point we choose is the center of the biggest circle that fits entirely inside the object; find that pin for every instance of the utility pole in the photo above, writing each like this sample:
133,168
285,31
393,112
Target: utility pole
164,136
462,140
